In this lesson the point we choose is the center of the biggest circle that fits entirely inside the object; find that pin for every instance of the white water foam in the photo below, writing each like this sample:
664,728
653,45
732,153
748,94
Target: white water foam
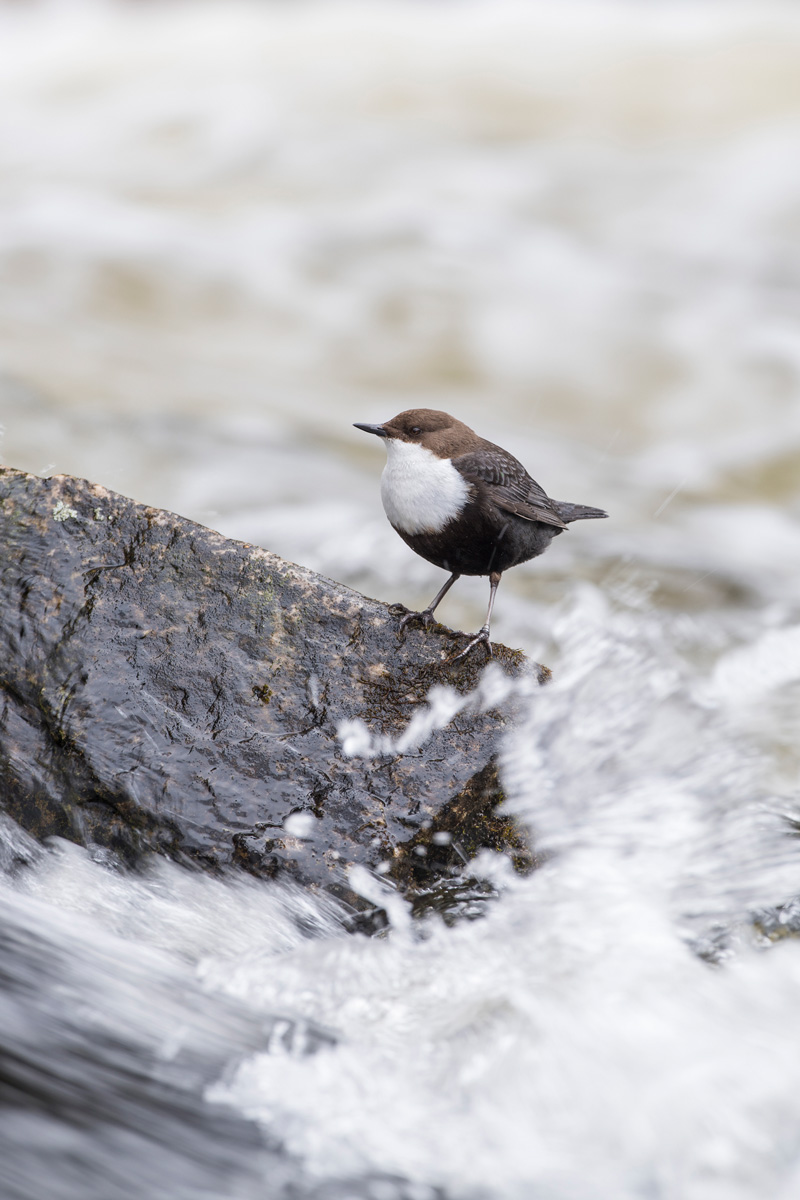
575,1041
616,1025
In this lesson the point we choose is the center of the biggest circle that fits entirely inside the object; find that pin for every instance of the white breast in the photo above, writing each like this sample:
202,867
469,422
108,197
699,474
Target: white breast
421,493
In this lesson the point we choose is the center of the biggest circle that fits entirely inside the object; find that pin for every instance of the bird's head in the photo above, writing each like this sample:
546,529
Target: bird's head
437,431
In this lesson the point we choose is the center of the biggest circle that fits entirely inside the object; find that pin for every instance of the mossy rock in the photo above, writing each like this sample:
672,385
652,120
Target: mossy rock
163,688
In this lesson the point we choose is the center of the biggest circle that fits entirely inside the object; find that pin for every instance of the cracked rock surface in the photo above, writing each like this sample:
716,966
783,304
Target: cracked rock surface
163,688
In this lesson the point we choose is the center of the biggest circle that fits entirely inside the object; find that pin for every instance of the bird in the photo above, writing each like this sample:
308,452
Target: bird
464,504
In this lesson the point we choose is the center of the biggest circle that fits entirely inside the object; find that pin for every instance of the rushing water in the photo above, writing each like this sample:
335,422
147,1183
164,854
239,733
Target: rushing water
227,232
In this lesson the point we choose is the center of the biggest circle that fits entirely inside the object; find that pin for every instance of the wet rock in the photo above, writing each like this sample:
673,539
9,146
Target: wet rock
163,688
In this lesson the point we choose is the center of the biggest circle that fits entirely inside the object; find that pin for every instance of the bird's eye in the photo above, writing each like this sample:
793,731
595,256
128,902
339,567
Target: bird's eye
416,429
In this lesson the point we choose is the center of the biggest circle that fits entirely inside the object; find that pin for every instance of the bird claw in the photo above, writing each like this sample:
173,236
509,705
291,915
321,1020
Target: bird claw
425,617
481,636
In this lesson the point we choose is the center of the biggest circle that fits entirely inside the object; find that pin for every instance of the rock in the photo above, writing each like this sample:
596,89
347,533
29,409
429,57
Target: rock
163,688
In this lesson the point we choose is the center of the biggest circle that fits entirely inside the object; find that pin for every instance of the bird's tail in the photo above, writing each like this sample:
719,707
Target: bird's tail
578,512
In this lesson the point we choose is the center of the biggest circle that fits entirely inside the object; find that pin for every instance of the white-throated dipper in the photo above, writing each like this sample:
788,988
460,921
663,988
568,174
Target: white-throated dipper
464,504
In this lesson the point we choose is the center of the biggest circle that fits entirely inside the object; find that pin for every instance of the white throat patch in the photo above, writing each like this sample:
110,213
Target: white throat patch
421,493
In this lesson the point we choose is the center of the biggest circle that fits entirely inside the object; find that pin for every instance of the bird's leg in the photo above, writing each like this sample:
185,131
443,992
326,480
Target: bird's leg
483,633
426,616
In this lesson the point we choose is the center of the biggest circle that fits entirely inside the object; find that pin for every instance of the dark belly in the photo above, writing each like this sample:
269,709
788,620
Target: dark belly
479,543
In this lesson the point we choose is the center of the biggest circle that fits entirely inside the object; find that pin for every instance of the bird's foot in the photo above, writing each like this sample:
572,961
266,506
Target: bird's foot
482,636
425,617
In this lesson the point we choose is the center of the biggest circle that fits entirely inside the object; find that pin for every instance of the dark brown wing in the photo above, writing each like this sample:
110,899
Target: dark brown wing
509,484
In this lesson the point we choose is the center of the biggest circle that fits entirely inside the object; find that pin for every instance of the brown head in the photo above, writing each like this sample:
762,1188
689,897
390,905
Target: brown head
436,431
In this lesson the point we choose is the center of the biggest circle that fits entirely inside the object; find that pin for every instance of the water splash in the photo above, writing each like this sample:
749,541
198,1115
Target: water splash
442,705
579,1012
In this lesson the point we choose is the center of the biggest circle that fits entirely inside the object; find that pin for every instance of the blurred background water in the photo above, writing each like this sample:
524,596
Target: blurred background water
229,230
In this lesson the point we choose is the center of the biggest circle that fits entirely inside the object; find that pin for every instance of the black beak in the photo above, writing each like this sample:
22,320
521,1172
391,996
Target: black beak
378,430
